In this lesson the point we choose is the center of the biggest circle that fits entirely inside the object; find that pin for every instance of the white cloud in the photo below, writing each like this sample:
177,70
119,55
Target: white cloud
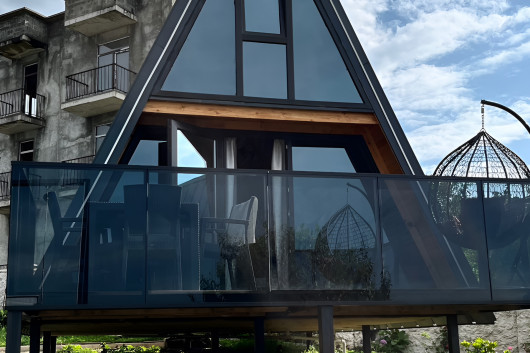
506,57
422,60
428,87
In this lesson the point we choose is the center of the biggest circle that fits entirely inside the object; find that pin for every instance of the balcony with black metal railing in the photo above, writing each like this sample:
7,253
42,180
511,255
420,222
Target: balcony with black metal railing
21,111
144,237
97,91
5,192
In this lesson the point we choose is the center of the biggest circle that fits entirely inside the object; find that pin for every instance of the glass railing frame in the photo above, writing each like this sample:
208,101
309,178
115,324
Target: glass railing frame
268,174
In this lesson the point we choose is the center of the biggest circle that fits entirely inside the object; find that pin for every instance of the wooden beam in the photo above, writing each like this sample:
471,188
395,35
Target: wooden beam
253,113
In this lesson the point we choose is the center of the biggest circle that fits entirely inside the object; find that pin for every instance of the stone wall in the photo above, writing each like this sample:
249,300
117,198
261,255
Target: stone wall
512,328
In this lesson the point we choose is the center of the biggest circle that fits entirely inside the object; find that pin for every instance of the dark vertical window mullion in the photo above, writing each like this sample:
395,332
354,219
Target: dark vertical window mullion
290,51
240,23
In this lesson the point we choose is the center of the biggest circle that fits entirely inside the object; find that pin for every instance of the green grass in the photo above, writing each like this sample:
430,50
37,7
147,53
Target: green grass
82,339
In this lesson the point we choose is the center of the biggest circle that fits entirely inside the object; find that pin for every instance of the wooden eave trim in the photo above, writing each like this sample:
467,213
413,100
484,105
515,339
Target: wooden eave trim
253,113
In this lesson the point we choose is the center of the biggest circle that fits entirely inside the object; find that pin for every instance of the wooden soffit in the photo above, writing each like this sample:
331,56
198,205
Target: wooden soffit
258,113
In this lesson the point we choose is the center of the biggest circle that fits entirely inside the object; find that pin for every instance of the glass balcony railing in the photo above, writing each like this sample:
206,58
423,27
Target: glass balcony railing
121,236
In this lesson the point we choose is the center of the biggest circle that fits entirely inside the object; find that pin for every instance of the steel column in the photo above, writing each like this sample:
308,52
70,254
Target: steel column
326,331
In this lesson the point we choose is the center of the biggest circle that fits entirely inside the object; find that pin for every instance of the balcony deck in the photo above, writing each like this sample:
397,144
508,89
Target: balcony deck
97,91
21,111
119,237
98,16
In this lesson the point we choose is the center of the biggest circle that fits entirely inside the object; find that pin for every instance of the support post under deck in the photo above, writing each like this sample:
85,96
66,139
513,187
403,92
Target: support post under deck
326,331
452,334
367,335
14,331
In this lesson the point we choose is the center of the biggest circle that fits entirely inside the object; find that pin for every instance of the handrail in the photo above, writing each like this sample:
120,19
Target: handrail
20,101
5,185
84,159
97,80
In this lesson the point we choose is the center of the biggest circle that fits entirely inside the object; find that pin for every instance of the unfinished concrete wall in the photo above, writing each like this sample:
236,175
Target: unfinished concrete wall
78,8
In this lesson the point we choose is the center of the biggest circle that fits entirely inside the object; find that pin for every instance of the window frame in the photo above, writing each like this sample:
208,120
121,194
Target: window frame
22,152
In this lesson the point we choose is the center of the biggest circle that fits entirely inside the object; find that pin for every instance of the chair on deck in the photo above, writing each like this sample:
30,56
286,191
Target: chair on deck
234,234
156,212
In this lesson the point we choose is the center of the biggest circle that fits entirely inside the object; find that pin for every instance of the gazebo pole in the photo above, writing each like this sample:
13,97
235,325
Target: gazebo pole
506,109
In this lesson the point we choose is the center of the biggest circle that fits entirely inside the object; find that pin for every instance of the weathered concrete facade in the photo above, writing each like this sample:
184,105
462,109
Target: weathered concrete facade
66,136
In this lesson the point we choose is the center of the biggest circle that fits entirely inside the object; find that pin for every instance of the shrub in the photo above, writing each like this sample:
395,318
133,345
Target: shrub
70,348
392,341
481,346
127,349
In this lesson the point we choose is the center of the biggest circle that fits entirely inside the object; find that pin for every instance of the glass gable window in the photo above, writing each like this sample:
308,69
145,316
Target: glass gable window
207,62
268,52
319,71
264,70
262,16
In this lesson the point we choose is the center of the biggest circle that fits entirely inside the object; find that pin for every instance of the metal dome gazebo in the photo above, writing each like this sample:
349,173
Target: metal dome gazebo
484,157
507,201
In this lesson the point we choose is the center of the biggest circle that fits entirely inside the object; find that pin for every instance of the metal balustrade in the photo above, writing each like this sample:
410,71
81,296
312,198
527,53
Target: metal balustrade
20,101
99,80
5,186
124,236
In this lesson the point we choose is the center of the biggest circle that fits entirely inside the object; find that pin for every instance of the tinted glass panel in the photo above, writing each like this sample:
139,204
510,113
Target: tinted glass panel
325,239
433,240
146,153
320,72
206,62
262,16
506,207
264,70
322,159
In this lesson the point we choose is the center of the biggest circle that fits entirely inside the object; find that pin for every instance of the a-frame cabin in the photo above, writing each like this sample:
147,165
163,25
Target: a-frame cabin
256,180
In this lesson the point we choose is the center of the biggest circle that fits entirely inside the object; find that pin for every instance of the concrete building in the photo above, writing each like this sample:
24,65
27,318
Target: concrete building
62,79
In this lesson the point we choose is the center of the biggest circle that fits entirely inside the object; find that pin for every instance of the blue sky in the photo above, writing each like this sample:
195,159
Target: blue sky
436,59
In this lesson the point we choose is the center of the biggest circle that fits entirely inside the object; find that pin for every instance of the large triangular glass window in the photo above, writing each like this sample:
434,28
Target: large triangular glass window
319,71
207,61
268,53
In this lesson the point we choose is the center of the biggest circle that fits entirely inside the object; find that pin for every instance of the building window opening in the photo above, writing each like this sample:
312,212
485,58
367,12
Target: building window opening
26,151
101,132
113,65
30,89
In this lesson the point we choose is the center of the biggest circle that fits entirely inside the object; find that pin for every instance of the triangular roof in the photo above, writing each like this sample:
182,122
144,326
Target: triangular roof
345,72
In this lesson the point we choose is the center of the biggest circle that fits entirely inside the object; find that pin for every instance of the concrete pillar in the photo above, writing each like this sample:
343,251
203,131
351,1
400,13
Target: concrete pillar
452,334
34,336
367,339
14,331
259,335
326,331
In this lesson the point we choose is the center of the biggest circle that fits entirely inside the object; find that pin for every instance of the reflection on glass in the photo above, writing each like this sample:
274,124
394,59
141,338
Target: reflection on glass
206,62
507,207
434,237
332,242
264,70
146,153
319,71
322,159
262,16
